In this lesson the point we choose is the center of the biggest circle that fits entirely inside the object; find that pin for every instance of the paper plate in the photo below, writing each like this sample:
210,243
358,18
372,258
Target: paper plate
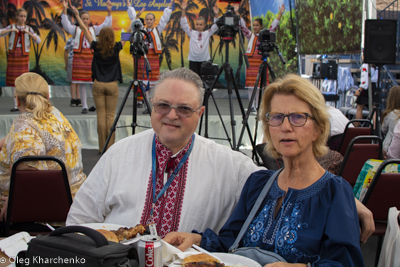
105,226
232,259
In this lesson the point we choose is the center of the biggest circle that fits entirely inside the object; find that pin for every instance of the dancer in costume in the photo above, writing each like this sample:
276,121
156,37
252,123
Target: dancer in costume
199,39
154,44
19,44
252,50
83,55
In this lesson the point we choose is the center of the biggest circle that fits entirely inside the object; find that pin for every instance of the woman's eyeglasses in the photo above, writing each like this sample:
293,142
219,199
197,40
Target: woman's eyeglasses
296,119
182,111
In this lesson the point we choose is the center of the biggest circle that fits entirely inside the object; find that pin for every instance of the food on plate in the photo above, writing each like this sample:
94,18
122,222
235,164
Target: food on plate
201,260
110,236
129,233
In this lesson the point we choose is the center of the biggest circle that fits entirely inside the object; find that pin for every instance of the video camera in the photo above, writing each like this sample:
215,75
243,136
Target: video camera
266,45
228,23
136,38
208,71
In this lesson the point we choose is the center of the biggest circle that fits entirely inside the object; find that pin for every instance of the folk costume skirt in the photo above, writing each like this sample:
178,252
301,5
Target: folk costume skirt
82,66
154,62
17,64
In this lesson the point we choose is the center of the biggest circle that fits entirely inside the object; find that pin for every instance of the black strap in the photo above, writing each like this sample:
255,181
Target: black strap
254,210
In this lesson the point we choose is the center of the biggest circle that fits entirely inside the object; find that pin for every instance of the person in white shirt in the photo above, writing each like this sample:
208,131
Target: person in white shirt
199,39
197,182
362,91
83,55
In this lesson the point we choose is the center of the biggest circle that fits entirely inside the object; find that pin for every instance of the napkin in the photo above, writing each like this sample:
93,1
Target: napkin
15,243
173,256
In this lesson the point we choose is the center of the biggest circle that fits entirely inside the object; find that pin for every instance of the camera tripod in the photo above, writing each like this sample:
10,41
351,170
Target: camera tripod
207,94
134,86
262,81
229,77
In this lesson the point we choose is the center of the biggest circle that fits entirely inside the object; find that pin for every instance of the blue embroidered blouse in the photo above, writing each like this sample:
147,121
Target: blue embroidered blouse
318,224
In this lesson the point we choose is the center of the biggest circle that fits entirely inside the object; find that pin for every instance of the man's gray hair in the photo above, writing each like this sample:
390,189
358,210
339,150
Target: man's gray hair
183,74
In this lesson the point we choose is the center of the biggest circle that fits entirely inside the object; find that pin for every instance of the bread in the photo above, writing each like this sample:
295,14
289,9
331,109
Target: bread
201,260
110,236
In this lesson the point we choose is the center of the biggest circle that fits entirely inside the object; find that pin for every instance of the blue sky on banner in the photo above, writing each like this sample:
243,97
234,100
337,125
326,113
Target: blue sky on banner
260,7
150,5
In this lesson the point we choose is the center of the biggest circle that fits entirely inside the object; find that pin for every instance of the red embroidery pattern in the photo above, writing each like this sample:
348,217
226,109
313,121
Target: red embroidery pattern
167,211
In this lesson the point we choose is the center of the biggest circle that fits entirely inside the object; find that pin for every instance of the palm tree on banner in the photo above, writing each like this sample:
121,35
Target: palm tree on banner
176,25
56,31
208,14
168,43
35,8
8,12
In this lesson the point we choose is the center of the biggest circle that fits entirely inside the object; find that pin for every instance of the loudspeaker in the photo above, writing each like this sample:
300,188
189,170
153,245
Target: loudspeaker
316,73
380,41
329,70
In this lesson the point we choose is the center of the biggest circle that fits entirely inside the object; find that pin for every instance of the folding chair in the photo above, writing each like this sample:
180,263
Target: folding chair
357,153
382,194
37,196
350,133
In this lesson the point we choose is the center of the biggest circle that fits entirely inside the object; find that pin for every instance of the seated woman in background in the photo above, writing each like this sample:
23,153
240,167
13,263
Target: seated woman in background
309,215
393,151
41,129
391,115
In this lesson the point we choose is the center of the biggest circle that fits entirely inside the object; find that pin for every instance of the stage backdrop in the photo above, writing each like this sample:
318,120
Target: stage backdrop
47,58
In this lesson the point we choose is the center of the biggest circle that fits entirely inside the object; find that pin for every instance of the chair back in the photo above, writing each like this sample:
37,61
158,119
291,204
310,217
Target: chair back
38,195
357,154
350,133
383,192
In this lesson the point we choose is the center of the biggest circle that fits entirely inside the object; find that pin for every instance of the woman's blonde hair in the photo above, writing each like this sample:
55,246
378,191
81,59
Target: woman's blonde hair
21,10
293,84
32,91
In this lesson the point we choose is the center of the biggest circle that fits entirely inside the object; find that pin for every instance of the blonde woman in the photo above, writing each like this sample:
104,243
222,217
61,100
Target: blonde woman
41,129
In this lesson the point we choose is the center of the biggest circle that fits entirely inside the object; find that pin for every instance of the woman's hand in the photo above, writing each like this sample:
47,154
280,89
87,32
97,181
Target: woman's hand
285,264
140,12
170,4
216,10
357,92
65,5
128,3
75,11
182,240
367,221
236,8
282,9
3,212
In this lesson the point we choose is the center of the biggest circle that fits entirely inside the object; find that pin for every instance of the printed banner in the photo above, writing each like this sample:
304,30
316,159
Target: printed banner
149,5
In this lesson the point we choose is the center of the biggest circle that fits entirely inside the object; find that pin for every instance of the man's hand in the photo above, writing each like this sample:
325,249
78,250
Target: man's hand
216,10
184,5
282,9
367,221
109,6
182,240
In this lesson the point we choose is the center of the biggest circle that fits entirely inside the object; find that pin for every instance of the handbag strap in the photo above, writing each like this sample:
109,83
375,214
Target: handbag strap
254,210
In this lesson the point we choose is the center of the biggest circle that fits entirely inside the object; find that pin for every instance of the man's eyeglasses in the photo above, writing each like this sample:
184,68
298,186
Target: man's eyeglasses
296,119
182,111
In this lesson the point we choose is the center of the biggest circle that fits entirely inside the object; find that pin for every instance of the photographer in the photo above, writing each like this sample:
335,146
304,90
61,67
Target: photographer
199,39
106,73
252,50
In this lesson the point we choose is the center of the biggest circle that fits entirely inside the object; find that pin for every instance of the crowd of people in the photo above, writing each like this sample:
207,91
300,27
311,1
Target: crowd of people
194,190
